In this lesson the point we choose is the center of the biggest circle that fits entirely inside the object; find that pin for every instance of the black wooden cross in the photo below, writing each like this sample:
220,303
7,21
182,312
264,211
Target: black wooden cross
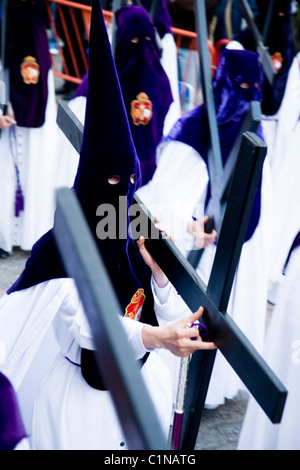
233,344
230,340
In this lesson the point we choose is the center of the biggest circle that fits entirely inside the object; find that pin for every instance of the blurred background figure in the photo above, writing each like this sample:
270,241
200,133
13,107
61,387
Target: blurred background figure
28,161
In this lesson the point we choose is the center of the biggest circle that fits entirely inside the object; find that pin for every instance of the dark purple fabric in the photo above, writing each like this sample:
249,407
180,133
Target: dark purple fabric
27,38
231,99
232,104
12,430
81,90
140,71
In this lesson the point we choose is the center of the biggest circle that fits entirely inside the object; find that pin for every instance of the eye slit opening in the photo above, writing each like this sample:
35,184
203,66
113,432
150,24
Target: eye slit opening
148,38
245,85
132,178
135,39
114,179
256,84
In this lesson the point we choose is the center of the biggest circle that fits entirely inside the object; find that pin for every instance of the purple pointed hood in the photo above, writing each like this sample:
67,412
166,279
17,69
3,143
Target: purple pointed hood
238,81
12,430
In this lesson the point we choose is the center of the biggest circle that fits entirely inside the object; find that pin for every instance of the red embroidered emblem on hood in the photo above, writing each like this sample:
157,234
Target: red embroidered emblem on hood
141,109
30,70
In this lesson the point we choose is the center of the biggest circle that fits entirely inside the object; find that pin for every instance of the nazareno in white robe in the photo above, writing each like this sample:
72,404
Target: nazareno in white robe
282,135
42,170
68,413
177,187
282,353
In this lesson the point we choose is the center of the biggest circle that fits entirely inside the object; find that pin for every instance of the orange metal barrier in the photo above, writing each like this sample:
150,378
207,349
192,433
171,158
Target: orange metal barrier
70,24
179,34
69,39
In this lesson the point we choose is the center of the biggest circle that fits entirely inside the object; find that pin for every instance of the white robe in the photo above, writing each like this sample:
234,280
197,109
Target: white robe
68,155
68,413
178,185
42,171
169,63
282,134
282,353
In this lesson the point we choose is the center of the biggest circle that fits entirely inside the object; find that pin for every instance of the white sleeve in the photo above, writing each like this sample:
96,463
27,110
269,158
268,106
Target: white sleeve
178,187
73,330
169,63
133,330
168,304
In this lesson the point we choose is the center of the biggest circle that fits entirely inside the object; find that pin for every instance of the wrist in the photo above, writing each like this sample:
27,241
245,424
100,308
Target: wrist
151,337
160,278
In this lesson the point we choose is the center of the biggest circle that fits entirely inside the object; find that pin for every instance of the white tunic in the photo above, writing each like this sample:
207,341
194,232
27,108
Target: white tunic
282,135
178,185
169,63
282,353
41,170
69,414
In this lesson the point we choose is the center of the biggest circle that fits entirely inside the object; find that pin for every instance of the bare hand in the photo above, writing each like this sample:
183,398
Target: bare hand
201,238
159,276
6,121
176,338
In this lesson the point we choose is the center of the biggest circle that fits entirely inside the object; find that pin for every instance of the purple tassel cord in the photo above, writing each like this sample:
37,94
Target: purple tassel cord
19,199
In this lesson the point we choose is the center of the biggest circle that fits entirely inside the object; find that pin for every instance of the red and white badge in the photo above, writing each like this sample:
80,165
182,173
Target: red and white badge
30,70
141,109
134,309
